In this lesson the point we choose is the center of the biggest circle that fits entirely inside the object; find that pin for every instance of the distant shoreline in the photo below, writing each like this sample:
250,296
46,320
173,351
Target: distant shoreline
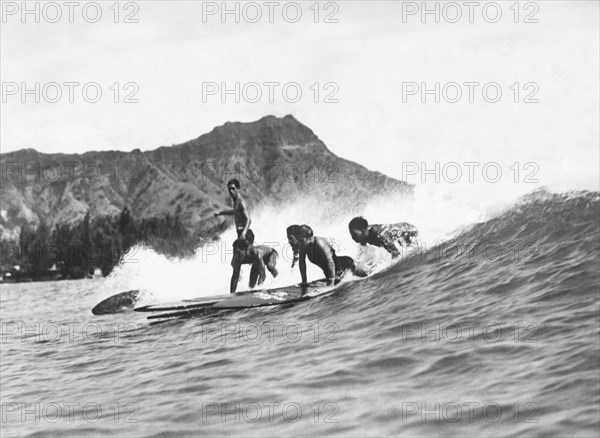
45,279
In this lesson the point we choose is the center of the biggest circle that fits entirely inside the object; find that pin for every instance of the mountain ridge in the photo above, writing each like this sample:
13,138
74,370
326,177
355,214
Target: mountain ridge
277,160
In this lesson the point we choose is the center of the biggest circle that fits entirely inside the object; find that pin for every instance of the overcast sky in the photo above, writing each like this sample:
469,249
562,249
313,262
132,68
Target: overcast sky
369,55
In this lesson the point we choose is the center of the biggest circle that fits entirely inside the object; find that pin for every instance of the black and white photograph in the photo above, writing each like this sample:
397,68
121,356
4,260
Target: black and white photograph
300,218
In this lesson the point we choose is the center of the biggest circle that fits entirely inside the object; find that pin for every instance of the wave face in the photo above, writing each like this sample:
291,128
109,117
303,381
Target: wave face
506,314
492,332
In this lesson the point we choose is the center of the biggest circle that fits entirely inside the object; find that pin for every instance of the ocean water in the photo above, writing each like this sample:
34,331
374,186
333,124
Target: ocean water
491,330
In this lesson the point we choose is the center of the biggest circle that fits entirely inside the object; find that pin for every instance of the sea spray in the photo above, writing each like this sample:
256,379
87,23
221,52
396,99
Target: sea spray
208,271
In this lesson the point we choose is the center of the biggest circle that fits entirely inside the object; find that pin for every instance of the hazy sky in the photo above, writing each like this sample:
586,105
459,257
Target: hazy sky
368,57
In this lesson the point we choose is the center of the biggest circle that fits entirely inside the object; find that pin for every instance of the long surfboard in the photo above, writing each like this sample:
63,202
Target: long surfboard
187,313
252,299
128,300
242,300
273,297
183,304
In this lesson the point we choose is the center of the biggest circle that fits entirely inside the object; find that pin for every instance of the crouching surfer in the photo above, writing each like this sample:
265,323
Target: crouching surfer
259,256
320,253
292,232
392,237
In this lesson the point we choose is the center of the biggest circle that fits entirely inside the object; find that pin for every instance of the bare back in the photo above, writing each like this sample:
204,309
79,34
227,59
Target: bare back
321,254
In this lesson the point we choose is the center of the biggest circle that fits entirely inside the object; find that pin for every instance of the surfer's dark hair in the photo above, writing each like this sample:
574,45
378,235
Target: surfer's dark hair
293,230
241,244
304,231
235,182
358,223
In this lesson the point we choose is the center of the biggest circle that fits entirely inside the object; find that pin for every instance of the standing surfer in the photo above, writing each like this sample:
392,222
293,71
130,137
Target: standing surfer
241,216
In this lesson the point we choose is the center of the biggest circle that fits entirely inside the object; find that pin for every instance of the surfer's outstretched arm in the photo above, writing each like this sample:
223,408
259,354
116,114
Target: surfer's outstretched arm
384,237
223,213
330,265
259,265
392,248
295,257
302,265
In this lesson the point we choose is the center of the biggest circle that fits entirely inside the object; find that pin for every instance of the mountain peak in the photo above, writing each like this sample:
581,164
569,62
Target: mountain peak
277,159
249,139
288,121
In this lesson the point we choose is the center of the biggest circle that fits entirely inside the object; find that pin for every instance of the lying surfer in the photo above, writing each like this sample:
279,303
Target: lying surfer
321,253
241,216
391,237
258,256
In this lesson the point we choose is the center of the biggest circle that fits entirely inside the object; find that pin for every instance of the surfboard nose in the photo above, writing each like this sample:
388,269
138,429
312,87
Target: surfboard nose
117,303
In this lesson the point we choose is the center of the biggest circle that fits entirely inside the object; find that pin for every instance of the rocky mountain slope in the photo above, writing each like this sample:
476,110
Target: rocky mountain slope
277,160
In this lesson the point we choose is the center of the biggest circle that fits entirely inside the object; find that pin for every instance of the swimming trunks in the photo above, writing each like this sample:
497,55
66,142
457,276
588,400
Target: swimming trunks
249,235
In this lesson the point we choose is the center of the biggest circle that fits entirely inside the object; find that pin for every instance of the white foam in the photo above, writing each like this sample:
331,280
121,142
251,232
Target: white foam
208,272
